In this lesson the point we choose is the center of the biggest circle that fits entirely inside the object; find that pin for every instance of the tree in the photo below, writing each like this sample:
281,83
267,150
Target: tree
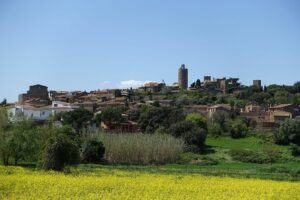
282,97
215,130
4,102
155,117
296,87
221,118
289,132
5,136
93,151
198,83
193,85
78,118
134,114
111,115
271,153
193,136
197,119
23,141
60,151
238,129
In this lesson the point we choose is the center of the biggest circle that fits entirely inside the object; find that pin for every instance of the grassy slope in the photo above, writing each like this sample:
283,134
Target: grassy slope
288,169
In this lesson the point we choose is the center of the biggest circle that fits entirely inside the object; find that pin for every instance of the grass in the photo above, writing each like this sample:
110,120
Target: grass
249,143
286,169
128,148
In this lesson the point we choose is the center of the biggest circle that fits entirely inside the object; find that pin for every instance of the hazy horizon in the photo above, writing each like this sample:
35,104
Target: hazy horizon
90,45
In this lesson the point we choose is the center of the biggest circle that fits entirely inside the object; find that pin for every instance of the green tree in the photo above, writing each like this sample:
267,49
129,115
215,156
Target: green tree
296,87
78,118
198,83
92,151
5,136
60,151
4,102
215,130
289,132
238,129
193,136
154,117
282,97
23,141
111,115
222,119
197,119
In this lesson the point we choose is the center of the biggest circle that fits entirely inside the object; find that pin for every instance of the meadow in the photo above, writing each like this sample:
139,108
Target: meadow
104,183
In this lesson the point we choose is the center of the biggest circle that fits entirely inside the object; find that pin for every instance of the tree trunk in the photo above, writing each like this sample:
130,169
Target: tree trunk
16,161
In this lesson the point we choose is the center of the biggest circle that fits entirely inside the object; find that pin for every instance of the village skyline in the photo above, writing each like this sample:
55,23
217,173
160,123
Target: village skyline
69,45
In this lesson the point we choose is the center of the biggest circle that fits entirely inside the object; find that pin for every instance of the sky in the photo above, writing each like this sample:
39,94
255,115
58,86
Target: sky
97,44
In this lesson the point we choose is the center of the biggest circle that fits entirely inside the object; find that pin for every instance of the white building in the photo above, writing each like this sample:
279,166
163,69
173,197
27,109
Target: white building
41,113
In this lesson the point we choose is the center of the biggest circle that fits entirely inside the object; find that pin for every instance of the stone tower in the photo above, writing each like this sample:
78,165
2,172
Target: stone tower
183,77
257,83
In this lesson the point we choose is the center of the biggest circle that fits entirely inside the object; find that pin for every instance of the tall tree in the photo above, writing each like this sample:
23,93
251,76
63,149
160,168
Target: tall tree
5,136
78,119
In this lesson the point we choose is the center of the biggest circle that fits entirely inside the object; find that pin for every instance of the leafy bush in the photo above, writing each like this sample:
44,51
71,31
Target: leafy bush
215,130
78,118
193,136
60,150
247,156
222,119
139,148
92,151
295,149
238,129
289,132
154,117
197,119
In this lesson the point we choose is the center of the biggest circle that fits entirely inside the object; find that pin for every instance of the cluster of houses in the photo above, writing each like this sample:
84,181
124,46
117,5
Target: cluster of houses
38,103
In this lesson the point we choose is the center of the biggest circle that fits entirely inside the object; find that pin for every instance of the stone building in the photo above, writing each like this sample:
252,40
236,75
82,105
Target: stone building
257,83
281,112
35,92
183,77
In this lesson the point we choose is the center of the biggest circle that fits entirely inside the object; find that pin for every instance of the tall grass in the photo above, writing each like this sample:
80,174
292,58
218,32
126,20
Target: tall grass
139,148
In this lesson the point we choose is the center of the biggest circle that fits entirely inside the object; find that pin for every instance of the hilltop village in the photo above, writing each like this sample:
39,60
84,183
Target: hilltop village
267,106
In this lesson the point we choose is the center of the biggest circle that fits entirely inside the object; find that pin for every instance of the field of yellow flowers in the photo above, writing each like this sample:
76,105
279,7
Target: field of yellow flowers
21,183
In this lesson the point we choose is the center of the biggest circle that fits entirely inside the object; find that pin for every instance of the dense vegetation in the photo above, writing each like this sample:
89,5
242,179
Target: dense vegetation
167,134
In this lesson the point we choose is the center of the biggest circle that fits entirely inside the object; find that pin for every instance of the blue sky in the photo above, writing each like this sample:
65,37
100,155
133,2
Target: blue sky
88,45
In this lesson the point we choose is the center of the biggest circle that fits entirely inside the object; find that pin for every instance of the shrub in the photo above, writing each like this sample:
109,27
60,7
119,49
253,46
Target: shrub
193,136
60,150
295,150
197,119
289,132
222,119
238,129
78,118
92,151
154,117
215,130
128,148
247,156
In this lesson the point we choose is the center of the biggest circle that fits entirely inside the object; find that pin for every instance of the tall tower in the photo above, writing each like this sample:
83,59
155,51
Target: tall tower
257,84
183,77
